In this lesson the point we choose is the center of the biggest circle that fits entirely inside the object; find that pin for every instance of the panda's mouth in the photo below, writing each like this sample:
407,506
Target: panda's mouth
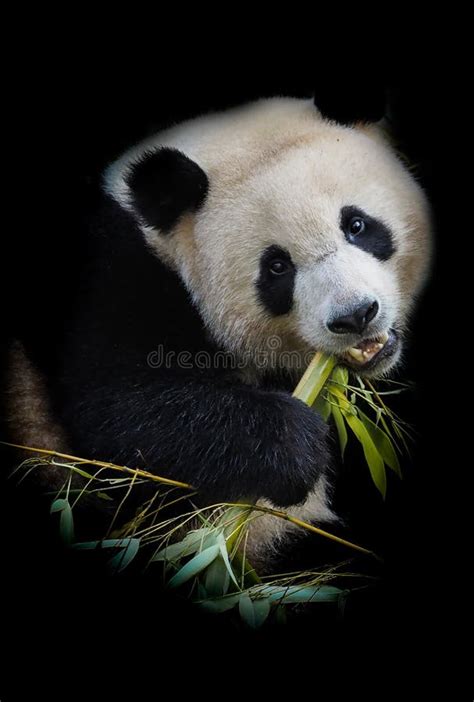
368,353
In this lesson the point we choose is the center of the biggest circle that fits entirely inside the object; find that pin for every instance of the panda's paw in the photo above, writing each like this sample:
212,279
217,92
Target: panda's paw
299,454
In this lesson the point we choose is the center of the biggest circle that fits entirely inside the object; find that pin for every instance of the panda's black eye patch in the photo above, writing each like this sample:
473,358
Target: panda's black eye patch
276,280
367,233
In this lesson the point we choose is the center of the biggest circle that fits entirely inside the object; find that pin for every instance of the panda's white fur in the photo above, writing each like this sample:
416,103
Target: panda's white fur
279,173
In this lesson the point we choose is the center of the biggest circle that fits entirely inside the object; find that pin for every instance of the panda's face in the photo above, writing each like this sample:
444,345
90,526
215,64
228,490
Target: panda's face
324,248
293,234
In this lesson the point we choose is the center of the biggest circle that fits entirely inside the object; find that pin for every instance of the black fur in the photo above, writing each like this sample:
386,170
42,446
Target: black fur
166,184
203,427
228,439
376,238
275,292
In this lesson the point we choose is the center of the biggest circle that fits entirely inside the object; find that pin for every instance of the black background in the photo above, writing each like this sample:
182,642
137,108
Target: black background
80,116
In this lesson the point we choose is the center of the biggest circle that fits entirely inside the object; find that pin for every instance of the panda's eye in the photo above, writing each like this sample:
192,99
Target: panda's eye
279,267
356,226
367,233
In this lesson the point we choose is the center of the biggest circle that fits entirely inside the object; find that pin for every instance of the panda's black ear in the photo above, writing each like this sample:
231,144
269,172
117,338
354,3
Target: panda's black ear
347,104
164,185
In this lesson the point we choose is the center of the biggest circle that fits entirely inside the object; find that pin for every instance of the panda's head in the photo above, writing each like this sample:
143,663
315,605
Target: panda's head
290,231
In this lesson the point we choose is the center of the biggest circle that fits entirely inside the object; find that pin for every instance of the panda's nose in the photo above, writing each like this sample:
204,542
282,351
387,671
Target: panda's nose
356,321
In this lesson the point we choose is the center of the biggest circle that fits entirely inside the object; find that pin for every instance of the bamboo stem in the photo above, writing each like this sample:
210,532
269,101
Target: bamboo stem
103,464
259,508
305,525
314,378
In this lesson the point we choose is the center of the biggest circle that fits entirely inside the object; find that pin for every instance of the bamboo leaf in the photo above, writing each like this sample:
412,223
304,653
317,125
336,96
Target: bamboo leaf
222,604
293,594
66,526
217,579
105,543
247,611
125,556
104,496
79,471
261,608
340,375
382,443
201,591
194,566
58,506
172,553
86,545
340,397
225,557
66,520
129,548
341,428
197,537
372,456
366,393
196,540
323,407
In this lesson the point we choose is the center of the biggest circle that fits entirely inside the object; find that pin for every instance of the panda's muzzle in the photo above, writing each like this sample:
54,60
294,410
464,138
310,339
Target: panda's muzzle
368,353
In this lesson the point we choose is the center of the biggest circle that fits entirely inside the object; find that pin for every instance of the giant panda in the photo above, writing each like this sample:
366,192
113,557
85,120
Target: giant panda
226,251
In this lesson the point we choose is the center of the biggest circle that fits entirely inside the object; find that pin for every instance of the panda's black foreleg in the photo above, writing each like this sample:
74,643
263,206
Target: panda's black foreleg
227,439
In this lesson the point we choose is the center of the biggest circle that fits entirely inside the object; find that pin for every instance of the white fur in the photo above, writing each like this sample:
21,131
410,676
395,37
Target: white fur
267,533
279,173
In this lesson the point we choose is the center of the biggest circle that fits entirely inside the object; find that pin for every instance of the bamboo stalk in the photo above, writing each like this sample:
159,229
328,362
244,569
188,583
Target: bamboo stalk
103,464
259,508
305,525
314,378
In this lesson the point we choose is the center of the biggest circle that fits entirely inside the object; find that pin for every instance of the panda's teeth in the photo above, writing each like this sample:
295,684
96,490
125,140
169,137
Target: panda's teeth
356,353
367,349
